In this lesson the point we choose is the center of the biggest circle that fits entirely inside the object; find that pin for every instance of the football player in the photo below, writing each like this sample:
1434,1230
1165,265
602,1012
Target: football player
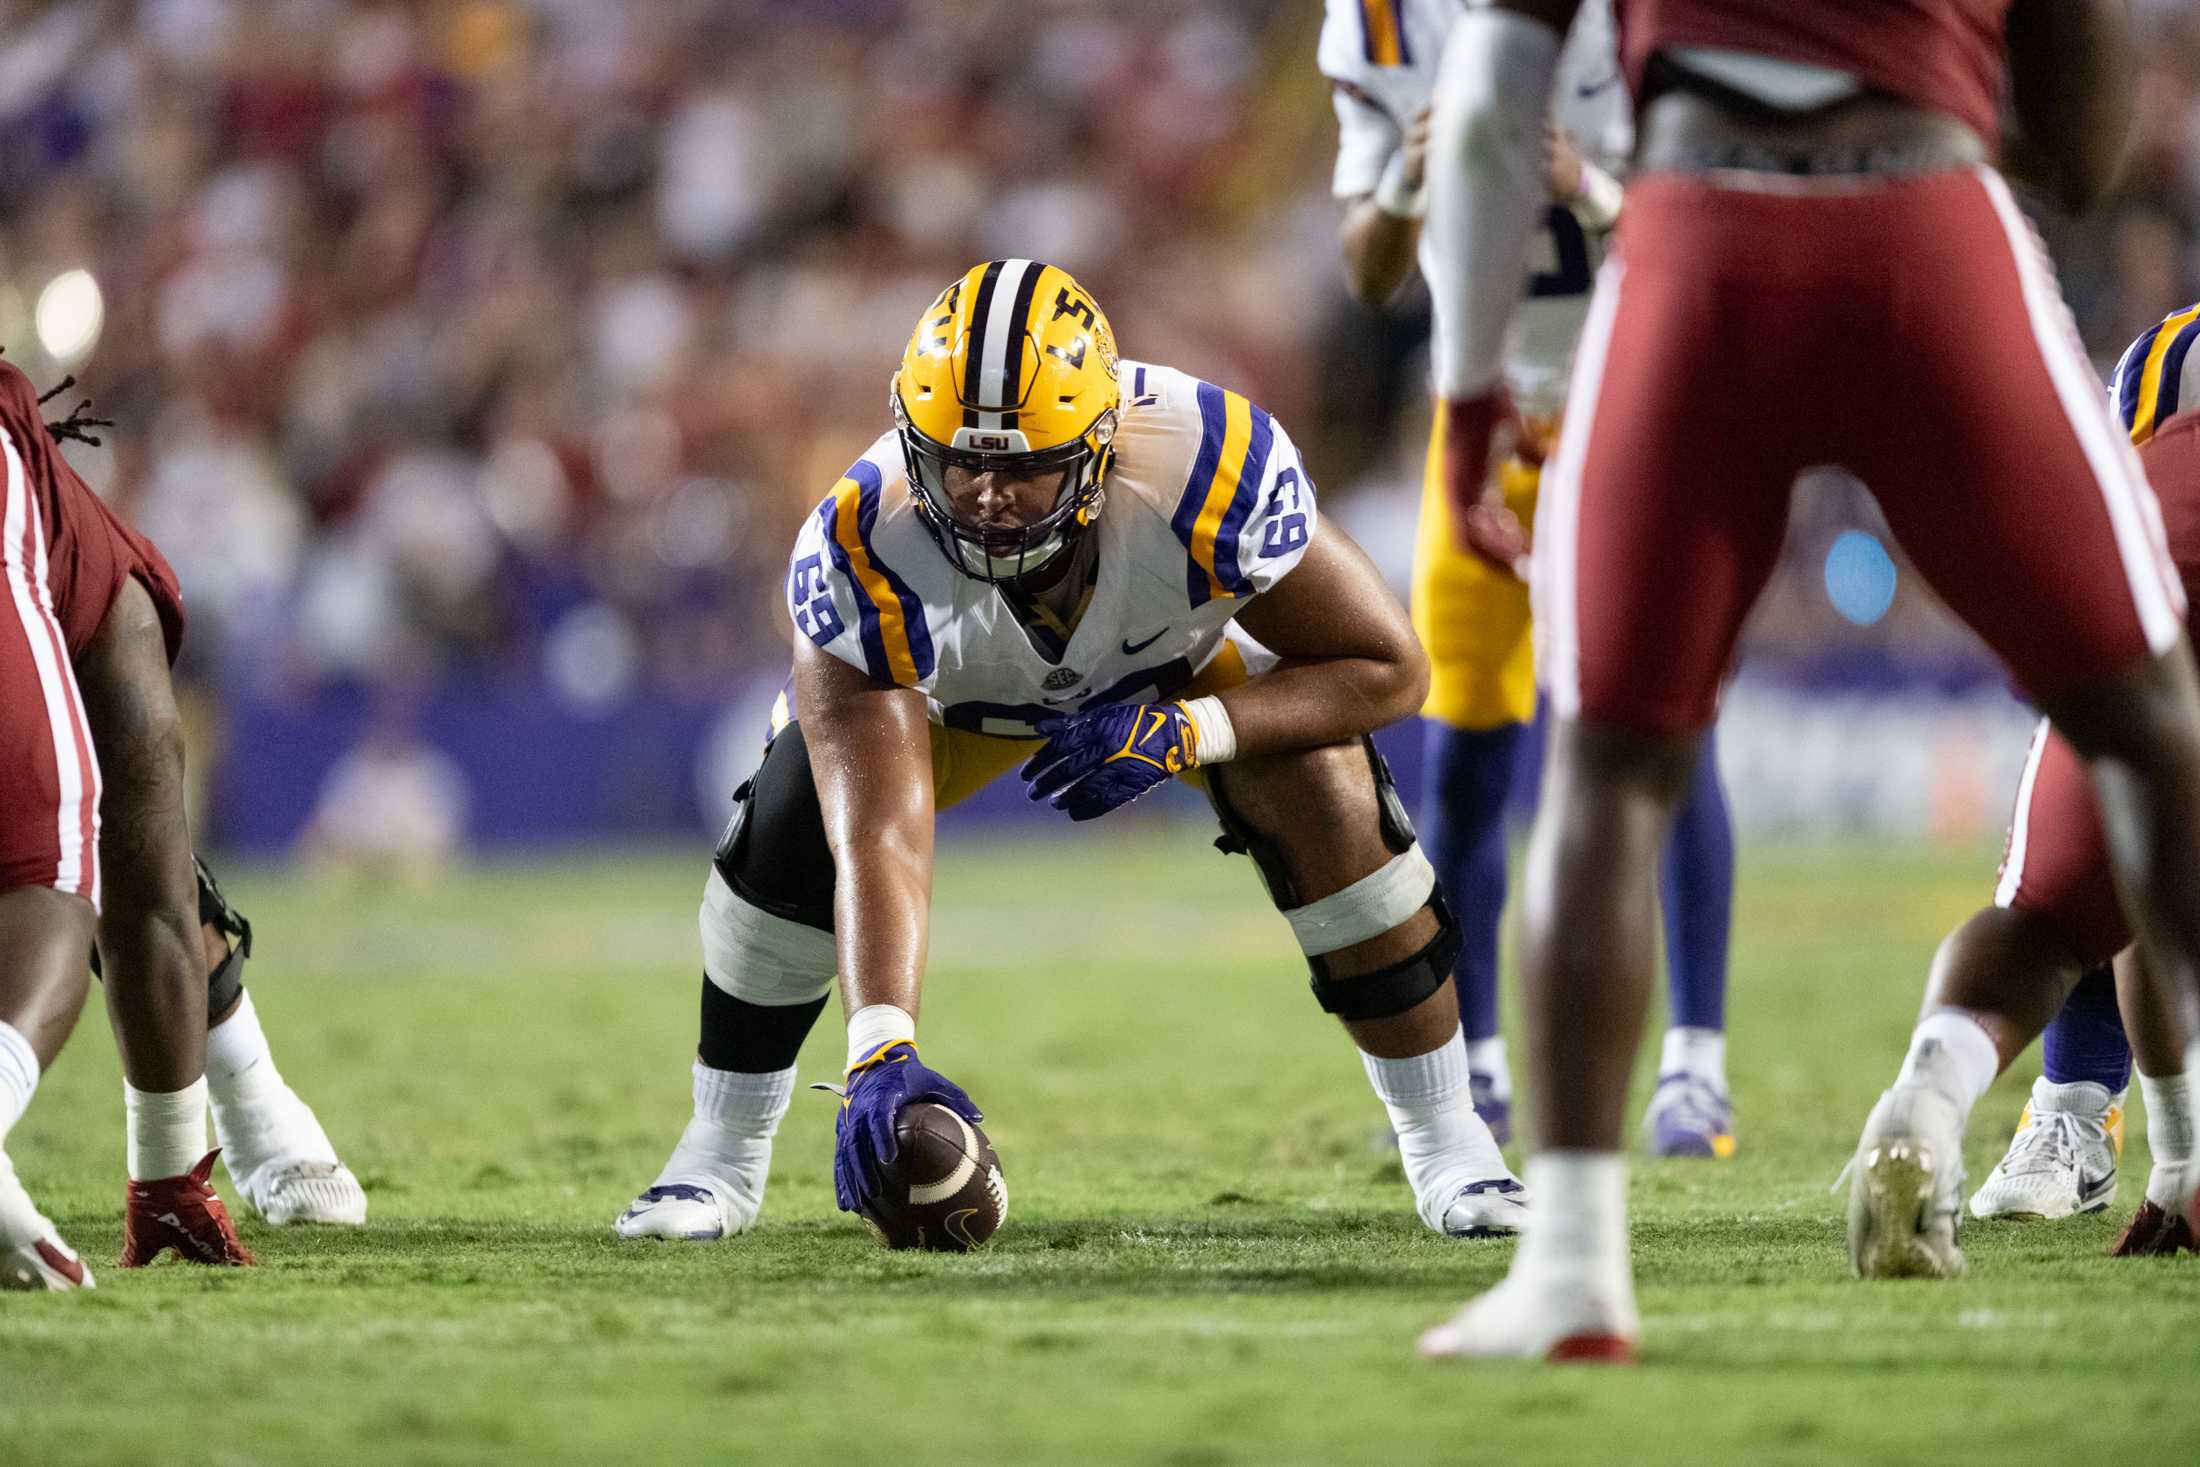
1470,606
2055,912
1813,216
95,859
1101,575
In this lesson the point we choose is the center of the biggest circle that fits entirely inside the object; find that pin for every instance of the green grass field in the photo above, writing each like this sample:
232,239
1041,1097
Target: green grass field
1209,1258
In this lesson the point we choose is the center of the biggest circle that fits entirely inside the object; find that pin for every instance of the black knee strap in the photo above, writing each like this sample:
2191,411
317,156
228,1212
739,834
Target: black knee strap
1399,987
226,983
774,853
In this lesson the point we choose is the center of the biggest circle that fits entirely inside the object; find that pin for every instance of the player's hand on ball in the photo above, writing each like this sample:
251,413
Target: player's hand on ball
1108,756
877,1087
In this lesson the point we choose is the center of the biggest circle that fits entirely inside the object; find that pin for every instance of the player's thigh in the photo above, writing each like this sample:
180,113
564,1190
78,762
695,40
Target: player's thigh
2057,862
49,770
2001,471
1663,510
137,729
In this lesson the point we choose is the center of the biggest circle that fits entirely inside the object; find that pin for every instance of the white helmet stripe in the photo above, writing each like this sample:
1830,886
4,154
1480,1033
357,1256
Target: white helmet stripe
995,332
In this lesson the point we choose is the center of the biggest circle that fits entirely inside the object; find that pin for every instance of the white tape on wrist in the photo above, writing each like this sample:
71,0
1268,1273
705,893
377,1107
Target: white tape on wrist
1597,203
875,1024
1214,741
1397,198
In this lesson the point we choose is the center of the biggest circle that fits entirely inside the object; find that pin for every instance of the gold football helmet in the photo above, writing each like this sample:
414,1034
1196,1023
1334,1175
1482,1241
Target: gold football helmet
1011,369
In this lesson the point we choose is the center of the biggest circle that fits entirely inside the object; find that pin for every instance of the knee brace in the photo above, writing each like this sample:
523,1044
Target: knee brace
767,917
761,958
226,982
773,853
1368,908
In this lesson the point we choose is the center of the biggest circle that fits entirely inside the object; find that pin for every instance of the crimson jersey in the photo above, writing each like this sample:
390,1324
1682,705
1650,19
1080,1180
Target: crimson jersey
1947,55
89,551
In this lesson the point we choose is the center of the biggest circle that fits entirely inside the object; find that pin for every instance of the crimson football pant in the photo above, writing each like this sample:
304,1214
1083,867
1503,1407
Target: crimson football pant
1907,330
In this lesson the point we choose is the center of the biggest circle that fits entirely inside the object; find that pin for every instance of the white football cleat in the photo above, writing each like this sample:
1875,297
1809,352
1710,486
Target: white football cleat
283,1164
1906,1187
711,1188
2063,1159
45,1264
285,1192
32,1255
1486,1209
1543,1313
693,1210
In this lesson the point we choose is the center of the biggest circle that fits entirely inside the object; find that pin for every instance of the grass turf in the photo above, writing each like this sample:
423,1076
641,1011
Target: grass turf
1209,1259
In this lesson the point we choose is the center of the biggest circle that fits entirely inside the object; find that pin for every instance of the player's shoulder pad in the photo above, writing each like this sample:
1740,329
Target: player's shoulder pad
2158,375
1239,503
844,590
1359,37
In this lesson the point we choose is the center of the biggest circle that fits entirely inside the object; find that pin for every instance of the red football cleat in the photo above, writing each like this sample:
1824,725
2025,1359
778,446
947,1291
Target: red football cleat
184,1214
2153,1233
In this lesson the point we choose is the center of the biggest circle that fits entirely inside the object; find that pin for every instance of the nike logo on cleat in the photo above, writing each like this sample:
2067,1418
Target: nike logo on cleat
1132,649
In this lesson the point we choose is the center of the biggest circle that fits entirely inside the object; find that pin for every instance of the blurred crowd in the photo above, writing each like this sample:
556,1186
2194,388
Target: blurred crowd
507,339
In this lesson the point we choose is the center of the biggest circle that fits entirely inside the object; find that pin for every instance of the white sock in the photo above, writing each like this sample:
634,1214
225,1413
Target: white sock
730,1136
18,1077
1697,1052
1951,1053
1442,1143
875,1024
1577,1217
2169,1136
240,1069
1487,1057
167,1129
20,1219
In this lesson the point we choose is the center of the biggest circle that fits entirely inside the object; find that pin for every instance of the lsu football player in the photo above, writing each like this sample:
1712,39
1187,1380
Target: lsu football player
1471,609
1100,574
2064,1157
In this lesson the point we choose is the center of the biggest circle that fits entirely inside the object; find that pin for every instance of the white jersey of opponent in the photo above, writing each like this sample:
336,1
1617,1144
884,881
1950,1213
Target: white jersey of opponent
1380,57
1206,505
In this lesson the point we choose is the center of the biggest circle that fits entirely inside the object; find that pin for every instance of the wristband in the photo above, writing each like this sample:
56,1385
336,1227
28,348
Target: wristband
1394,197
1214,741
1597,201
875,1024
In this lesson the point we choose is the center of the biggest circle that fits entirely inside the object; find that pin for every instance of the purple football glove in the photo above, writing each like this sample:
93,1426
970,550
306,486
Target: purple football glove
878,1086
1108,756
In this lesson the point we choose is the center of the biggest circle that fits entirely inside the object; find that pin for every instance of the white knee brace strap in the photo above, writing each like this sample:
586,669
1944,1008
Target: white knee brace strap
759,958
1368,907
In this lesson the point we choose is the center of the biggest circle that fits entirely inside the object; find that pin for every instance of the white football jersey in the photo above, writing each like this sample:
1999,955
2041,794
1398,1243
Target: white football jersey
1206,506
1381,58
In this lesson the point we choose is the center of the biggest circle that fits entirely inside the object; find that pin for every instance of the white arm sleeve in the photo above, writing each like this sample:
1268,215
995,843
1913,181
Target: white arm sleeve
1486,189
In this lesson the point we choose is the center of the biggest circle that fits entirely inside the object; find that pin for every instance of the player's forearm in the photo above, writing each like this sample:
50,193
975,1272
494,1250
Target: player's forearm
882,901
1486,187
2072,94
1378,251
1306,703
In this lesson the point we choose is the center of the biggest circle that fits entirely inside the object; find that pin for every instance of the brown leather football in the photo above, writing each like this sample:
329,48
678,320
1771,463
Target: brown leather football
943,1189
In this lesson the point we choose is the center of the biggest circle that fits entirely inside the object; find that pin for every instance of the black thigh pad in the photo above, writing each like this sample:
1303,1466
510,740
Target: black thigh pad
773,853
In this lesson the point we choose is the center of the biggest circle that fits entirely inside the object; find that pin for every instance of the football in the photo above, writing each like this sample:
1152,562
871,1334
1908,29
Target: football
943,1189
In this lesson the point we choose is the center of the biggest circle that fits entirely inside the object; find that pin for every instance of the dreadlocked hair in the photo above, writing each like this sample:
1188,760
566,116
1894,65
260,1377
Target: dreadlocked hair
79,423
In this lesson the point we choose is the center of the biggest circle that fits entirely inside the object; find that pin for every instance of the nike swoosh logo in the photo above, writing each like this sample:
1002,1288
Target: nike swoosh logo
1586,90
1132,649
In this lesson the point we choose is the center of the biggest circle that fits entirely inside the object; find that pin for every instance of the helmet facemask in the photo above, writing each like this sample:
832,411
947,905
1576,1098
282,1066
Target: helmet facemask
1010,556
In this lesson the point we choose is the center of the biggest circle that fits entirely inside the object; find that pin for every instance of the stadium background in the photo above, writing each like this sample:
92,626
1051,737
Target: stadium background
473,362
